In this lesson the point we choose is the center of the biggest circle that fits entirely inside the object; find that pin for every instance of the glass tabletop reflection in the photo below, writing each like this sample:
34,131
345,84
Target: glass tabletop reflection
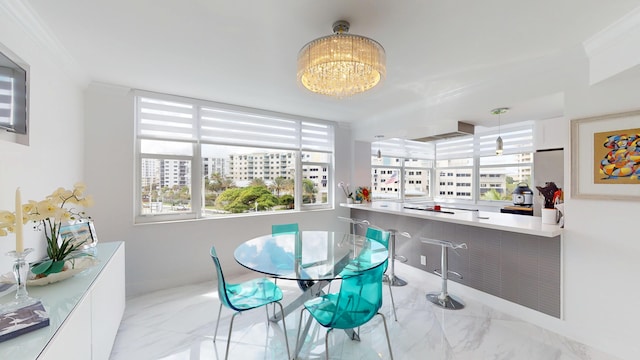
310,255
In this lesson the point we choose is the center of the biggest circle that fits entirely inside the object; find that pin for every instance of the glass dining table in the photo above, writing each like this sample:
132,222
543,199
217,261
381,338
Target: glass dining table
313,258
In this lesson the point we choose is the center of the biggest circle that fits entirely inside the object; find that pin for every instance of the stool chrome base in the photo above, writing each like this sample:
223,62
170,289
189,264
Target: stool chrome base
395,281
447,302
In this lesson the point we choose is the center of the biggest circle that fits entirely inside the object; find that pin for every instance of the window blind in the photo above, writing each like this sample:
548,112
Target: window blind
173,118
165,119
6,95
455,148
518,139
403,148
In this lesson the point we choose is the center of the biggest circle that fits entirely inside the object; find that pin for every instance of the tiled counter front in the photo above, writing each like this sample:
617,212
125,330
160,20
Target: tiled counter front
519,267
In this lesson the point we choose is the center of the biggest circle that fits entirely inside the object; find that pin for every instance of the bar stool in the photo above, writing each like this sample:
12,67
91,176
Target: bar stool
442,298
391,277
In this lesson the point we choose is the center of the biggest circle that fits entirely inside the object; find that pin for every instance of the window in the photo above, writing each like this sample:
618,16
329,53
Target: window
13,93
202,159
403,171
474,156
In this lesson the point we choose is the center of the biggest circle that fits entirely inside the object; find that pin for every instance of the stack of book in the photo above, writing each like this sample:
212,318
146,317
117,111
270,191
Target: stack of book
18,320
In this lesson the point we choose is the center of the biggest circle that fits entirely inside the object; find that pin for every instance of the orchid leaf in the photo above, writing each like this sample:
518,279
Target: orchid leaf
42,267
56,267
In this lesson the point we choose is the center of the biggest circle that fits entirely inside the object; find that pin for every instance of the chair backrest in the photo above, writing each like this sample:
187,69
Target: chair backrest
222,285
284,228
359,299
378,235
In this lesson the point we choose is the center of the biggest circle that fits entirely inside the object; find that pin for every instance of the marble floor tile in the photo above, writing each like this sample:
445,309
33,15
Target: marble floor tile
179,324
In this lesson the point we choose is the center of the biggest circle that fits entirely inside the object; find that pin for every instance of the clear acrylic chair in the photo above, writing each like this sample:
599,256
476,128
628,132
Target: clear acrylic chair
246,296
383,238
357,302
354,222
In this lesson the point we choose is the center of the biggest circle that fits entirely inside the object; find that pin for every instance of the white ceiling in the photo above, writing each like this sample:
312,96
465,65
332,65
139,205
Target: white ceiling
446,60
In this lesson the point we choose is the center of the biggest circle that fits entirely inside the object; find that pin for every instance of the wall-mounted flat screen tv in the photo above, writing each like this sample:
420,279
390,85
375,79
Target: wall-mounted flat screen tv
13,94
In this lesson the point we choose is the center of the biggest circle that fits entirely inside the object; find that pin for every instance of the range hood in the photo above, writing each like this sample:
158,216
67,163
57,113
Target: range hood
459,129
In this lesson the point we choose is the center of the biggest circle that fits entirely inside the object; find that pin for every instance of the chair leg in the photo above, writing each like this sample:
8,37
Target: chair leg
384,322
226,354
284,329
299,326
326,344
393,304
217,323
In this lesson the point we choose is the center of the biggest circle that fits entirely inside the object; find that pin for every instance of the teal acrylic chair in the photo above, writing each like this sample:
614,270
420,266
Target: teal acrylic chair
291,229
284,229
383,238
245,296
357,302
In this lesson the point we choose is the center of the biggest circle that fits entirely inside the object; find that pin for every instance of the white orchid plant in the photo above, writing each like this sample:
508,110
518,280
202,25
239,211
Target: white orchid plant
48,215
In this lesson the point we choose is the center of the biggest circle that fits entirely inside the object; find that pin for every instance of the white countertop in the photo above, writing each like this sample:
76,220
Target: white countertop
59,299
523,224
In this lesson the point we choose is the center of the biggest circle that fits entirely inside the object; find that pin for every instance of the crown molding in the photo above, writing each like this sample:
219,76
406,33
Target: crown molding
614,49
33,25
613,33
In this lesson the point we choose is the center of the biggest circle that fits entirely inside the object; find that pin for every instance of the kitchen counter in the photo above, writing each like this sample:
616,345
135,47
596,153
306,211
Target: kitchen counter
514,257
530,225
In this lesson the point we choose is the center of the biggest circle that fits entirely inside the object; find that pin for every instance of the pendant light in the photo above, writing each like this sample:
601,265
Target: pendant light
499,144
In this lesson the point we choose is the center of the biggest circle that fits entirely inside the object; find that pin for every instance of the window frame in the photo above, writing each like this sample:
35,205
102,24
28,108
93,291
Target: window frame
518,139
305,143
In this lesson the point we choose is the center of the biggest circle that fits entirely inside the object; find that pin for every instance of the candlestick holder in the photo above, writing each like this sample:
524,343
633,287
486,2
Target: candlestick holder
21,273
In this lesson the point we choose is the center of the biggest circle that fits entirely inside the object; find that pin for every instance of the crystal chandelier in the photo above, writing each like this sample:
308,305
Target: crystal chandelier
341,64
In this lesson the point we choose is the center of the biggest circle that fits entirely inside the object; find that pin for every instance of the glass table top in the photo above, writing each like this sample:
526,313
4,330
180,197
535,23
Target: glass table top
311,255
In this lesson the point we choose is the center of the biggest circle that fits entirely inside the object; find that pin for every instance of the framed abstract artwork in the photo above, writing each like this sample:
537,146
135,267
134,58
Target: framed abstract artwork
605,157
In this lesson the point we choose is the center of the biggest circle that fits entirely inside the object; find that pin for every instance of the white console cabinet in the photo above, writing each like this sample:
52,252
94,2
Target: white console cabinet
85,313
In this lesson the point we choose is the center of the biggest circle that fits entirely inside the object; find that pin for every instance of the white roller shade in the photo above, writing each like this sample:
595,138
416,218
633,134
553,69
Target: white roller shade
455,148
402,148
517,139
164,119
174,118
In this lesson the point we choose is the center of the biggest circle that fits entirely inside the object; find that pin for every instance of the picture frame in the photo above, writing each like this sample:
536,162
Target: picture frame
81,231
605,163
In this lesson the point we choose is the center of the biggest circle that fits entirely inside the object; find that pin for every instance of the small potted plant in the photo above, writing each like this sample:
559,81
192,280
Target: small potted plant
48,216
347,193
363,194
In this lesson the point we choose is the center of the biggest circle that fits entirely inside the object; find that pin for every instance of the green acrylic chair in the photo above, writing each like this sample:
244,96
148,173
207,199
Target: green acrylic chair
357,302
245,296
383,238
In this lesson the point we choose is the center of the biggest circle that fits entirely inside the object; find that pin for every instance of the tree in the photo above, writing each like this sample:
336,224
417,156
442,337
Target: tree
308,191
219,183
287,200
258,182
279,184
492,194
238,200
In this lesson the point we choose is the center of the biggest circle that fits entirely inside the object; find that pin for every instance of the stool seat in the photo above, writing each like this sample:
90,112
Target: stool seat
443,299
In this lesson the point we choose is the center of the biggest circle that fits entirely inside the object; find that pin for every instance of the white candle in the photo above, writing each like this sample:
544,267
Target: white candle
19,238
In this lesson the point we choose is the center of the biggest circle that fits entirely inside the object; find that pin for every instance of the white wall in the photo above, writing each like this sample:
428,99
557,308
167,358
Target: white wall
600,244
54,156
173,253
601,250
